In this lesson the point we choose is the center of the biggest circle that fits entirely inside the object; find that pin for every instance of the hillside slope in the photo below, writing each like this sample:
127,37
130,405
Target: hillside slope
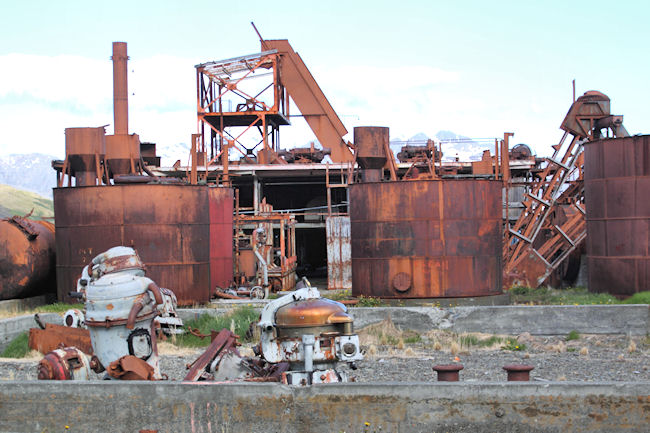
14,201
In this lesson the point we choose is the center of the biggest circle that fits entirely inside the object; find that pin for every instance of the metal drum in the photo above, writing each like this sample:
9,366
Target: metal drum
26,257
182,232
426,238
617,198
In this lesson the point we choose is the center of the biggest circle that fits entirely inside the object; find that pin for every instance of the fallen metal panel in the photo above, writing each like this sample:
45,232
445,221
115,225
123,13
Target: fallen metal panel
339,255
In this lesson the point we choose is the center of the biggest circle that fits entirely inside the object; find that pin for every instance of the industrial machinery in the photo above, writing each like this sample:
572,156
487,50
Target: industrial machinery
312,334
26,257
243,102
120,304
552,223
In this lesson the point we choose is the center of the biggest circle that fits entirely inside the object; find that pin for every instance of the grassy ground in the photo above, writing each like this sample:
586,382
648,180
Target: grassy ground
15,201
238,321
17,348
571,296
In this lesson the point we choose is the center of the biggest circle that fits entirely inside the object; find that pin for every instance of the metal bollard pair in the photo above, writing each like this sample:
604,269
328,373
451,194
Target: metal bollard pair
451,372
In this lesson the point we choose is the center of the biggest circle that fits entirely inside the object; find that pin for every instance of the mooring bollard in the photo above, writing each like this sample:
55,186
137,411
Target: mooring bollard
448,372
518,372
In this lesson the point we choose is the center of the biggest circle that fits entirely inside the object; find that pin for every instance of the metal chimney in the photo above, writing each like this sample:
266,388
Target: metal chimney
120,89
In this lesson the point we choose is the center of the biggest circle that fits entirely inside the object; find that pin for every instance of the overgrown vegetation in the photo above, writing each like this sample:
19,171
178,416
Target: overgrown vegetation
638,298
573,335
17,348
548,296
369,301
238,321
471,340
512,344
57,307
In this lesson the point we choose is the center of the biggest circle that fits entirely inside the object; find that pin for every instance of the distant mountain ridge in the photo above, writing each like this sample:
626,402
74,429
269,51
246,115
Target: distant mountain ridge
15,201
31,172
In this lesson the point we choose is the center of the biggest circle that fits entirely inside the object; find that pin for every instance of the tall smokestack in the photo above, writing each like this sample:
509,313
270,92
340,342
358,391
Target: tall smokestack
120,89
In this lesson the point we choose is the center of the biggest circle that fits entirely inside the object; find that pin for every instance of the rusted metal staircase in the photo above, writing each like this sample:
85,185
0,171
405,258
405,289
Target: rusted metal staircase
552,224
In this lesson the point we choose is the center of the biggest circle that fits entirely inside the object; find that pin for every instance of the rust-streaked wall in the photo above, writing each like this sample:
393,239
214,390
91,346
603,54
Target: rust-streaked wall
617,199
179,231
355,407
426,238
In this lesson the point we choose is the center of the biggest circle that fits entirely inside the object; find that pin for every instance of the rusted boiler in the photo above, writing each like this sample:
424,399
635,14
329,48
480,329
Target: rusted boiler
617,199
422,238
26,257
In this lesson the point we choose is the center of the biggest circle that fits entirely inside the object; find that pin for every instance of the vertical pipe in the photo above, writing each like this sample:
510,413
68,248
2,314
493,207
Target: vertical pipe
120,89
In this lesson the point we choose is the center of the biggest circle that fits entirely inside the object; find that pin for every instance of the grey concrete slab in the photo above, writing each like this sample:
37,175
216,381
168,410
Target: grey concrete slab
375,407
19,305
512,319
12,327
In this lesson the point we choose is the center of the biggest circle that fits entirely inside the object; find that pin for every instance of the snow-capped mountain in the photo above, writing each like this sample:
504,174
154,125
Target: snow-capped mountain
32,172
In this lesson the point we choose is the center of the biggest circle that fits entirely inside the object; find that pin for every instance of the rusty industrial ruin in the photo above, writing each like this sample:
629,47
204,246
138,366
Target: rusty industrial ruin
248,217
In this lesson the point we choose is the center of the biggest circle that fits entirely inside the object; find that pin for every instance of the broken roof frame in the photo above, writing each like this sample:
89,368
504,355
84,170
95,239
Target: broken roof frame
218,79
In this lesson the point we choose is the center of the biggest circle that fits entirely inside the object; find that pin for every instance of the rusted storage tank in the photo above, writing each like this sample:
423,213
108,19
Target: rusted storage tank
617,199
26,258
85,149
182,232
424,238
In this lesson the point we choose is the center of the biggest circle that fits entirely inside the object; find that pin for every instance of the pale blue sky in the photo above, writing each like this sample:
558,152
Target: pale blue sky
477,68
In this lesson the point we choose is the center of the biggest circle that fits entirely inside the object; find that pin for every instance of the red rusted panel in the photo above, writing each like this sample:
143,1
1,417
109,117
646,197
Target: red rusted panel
617,181
339,265
169,226
221,237
26,257
426,239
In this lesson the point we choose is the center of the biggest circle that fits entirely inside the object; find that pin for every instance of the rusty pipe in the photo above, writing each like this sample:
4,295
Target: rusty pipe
120,89
133,314
157,294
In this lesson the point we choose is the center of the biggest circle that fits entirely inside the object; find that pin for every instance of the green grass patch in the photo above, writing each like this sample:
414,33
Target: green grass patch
513,345
339,295
20,202
58,307
490,341
238,321
571,349
412,339
638,298
570,296
369,301
573,335
17,348
470,340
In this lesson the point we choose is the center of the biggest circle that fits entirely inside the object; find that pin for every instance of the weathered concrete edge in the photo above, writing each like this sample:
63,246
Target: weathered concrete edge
537,320
404,407
14,326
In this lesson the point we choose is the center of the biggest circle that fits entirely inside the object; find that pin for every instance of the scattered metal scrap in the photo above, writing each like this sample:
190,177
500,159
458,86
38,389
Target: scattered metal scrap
52,336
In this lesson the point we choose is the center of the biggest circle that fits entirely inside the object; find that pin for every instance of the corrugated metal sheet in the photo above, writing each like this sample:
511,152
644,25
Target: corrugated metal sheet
339,256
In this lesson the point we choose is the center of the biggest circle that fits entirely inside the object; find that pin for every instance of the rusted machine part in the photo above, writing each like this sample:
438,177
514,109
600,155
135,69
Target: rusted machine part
520,152
68,363
617,181
224,342
178,230
448,372
518,372
27,258
130,367
300,155
314,312
428,239
370,143
50,338
74,318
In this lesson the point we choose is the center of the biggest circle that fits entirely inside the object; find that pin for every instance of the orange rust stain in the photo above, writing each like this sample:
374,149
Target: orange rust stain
110,307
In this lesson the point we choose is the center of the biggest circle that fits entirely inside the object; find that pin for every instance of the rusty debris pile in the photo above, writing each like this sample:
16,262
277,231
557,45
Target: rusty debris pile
303,336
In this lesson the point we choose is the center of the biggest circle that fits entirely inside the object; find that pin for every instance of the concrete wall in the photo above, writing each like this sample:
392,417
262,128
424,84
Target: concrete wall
537,320
12,327
386,407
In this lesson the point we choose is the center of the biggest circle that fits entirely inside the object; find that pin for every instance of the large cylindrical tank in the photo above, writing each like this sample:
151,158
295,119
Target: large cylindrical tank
426,238
26,257
182,232
617,199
